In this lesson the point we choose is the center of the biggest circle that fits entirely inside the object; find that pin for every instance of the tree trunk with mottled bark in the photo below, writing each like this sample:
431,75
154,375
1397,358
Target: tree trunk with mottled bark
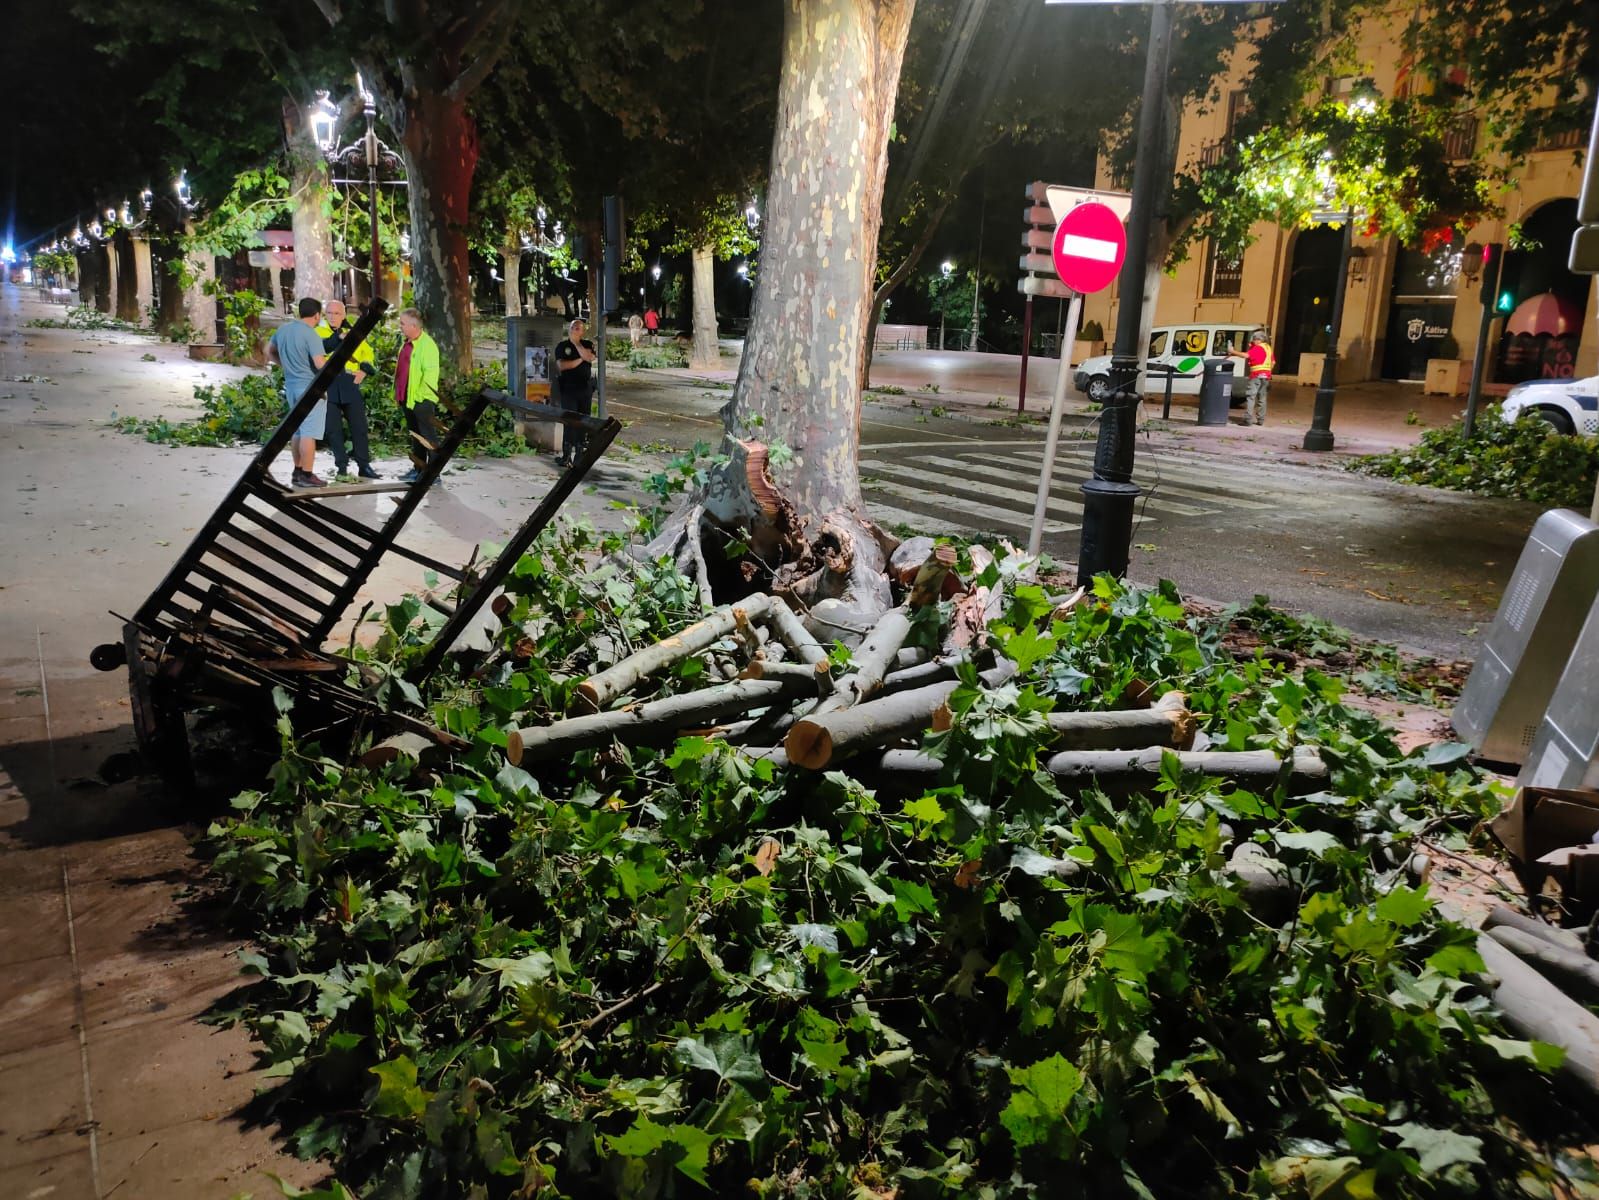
310,214
798,387
511,276
706,354
440,147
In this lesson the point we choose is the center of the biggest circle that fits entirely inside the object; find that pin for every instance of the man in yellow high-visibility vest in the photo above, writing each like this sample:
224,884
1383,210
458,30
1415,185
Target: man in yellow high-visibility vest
1258,363
346,404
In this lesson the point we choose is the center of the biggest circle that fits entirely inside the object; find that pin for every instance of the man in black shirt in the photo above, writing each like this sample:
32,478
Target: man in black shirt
574,357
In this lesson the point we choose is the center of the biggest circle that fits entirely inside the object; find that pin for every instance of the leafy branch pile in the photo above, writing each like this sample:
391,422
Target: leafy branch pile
688,971
1376,668
83,316
249,409
1518,459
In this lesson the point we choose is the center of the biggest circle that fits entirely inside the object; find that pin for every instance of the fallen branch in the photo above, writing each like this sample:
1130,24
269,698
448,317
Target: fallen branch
872,660
1127,772
656,722
1537,1009
1577,974
788,629
1168,724
595,692
1508,918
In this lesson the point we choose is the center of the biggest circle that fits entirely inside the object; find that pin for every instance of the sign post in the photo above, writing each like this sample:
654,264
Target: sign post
1088,249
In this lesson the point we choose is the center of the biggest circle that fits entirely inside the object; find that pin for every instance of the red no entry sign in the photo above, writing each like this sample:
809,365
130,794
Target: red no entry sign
1090,244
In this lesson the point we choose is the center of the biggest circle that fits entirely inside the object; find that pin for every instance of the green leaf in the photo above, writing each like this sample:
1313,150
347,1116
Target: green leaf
520,972
1438,1149
1404,906
686,1147
1457,960
398,1096
729,1057
1028,647
1039,1098
925,809
1313,841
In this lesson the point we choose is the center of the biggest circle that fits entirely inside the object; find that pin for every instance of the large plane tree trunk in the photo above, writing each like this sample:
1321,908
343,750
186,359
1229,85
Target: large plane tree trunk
310,217
440,149
706,354
798,387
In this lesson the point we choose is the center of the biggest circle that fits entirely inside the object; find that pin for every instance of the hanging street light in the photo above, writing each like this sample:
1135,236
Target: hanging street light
324,121
752,216
655,271
181,186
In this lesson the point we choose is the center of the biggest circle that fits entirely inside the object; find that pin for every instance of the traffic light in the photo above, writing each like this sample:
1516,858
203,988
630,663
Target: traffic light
1505,303
1492,260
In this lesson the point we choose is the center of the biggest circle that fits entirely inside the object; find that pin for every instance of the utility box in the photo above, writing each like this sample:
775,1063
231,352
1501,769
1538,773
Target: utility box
1533,637
1565,750
530,371
1216,391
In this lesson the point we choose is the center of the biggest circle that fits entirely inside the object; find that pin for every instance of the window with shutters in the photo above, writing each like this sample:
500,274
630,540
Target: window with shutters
1224,274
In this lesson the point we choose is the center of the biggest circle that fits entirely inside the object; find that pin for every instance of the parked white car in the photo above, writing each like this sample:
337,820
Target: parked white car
1176,350
1568,405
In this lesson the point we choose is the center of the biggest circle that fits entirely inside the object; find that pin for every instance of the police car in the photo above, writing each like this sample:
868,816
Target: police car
1568,405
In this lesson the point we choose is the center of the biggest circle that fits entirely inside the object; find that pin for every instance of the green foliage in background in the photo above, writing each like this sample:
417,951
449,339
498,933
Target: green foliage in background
647,973
1520,459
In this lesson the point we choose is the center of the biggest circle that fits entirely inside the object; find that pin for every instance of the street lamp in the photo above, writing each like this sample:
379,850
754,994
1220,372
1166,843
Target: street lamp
324,118
181,186
752,216
655,272
1319,436
369,152
946,268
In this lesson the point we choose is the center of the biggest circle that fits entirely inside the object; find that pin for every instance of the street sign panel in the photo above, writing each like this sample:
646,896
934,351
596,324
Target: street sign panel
1063,199
1090,244
1044,286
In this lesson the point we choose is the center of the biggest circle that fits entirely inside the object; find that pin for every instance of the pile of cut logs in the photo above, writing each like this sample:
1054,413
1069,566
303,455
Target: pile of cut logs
774,691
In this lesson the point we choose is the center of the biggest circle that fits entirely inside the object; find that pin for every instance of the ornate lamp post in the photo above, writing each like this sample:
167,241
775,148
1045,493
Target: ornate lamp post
368,155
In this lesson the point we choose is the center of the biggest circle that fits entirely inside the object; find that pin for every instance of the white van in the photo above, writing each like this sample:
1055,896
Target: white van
1176,350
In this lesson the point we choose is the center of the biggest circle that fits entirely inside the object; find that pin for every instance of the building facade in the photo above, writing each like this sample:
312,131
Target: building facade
1400,304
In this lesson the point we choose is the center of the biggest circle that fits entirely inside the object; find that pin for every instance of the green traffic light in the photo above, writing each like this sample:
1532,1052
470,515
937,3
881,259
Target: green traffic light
1505,303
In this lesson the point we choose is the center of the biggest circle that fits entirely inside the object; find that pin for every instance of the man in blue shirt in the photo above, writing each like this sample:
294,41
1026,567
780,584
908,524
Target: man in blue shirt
298,350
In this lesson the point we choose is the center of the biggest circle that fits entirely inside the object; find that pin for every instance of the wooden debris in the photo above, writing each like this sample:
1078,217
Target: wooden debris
1506,918
796,639
658,722
1537,1009
1576,974
872,660
1127,771
599,690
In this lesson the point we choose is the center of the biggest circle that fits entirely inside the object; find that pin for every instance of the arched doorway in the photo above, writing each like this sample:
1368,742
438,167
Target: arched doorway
1312,276
1547,305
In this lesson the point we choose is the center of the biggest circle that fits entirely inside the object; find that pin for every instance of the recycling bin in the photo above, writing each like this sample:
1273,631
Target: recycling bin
1216,391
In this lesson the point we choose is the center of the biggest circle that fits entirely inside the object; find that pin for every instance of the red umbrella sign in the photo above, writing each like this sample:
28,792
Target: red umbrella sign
1090,244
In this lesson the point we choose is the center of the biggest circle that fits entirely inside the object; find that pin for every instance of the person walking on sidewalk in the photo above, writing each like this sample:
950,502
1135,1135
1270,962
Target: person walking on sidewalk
1259,361
346,404
298,350
416,391
574,357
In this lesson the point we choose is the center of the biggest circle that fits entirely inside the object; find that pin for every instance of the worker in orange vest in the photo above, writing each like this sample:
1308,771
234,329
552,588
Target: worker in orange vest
1259,361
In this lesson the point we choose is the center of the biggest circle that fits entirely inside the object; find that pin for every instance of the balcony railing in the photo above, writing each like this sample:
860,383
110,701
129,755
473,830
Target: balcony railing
1569,139
1460,142
1211,154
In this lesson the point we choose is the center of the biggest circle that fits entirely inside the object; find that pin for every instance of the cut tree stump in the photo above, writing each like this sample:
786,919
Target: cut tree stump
657,722
595,692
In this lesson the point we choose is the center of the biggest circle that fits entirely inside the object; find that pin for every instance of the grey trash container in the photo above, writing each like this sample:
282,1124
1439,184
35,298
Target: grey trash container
1216,391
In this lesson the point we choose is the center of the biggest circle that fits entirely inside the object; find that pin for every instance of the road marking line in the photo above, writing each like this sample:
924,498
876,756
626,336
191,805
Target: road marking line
887,514
1063,477
979,487
1170,481
1005,517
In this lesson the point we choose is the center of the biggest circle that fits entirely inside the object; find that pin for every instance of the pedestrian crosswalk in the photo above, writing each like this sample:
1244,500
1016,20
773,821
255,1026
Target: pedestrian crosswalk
987,489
